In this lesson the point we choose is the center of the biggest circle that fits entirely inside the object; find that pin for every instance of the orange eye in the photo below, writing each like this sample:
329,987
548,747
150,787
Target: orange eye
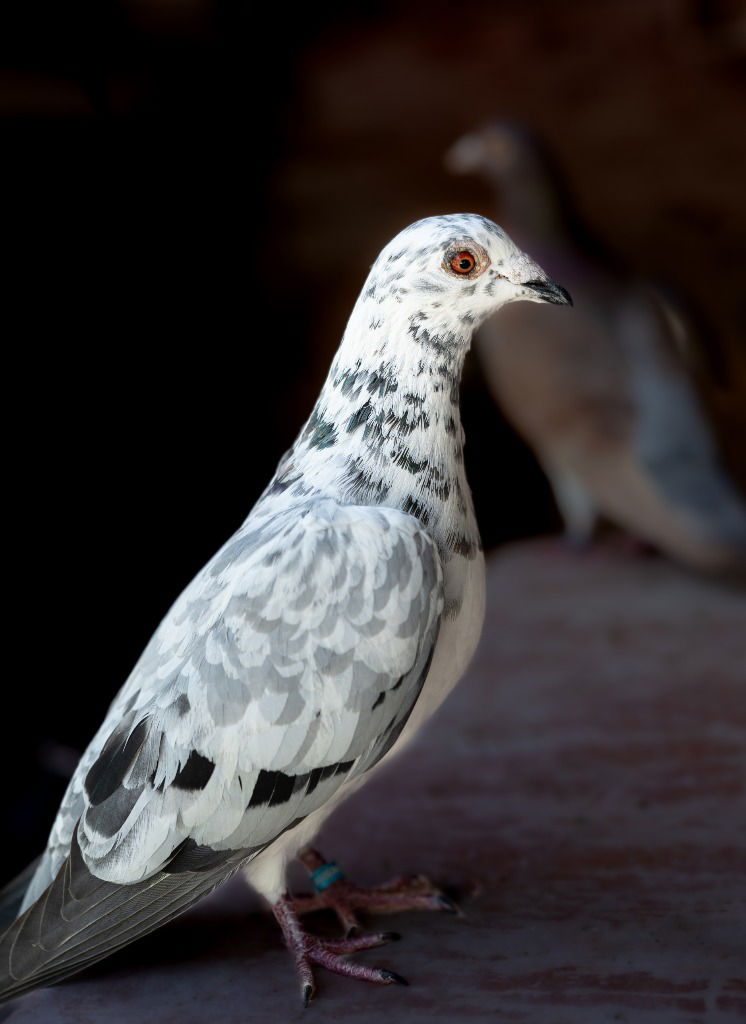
463,262
465,258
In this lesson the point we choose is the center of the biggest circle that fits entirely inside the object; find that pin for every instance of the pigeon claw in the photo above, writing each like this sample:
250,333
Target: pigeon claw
310,950
309,991
392,978
446,903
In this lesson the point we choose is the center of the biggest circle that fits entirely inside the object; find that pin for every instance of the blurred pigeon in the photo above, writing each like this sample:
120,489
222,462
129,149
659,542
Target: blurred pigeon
317,640
603,394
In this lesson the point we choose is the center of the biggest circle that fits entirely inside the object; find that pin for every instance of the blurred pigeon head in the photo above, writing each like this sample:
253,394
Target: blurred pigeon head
500,146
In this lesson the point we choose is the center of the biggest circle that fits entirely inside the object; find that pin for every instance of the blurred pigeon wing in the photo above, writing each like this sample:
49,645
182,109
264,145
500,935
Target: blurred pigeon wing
674,440
289,665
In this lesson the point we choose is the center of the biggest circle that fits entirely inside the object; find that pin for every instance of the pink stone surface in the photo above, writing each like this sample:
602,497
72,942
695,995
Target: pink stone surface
584,787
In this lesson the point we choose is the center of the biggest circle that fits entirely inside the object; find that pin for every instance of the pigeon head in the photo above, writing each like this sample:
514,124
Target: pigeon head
386,426
498,146
447,274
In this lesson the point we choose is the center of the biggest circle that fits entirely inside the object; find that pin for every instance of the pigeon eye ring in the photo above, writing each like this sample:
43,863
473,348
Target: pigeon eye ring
464,258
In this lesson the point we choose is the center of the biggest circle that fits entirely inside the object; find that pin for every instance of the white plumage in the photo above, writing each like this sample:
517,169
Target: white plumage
335,620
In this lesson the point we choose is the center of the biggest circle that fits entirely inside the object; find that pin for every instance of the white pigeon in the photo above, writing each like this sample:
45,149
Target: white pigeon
313,644
603,395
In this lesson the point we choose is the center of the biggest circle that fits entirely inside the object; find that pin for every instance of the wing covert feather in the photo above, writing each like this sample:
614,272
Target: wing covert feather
290,664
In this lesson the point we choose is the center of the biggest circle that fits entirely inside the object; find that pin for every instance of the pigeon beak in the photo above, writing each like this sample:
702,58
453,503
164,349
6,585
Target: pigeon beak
550,292
462,157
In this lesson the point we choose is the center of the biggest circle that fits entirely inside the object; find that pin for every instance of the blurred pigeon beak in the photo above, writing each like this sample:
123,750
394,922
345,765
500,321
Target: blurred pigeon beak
550,292
461,157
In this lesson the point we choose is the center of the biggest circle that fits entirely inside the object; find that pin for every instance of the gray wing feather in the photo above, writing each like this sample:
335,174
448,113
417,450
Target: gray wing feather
81,919
290,664
674,439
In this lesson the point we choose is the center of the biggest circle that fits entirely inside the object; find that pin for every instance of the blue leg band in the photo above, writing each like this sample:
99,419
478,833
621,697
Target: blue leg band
326,875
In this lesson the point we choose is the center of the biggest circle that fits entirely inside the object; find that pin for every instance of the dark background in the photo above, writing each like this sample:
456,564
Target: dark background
191,195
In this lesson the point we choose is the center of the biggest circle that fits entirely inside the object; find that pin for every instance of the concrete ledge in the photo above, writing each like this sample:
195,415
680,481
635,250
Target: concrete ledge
586,779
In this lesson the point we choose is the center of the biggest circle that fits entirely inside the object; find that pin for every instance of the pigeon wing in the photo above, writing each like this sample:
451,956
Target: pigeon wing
288,666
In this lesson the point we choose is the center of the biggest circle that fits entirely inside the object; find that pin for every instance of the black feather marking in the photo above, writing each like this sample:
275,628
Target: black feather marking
460,544
415,508
263,788
404,459
359,417
272,788
363,486
108,816
107,772
349,378
379,700
321,774
283,789
313,780
383,380
300,782
282,482
443,345
196,773
413,399
435,484
320,432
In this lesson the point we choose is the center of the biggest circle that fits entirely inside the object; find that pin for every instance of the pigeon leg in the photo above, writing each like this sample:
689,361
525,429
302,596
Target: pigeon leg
576,505
405,892
308,950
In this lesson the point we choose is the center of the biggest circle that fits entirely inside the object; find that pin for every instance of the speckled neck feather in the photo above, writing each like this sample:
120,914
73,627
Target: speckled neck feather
386,428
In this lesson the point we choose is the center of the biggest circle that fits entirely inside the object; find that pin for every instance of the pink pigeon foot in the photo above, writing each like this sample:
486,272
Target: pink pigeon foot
308,950
405,892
